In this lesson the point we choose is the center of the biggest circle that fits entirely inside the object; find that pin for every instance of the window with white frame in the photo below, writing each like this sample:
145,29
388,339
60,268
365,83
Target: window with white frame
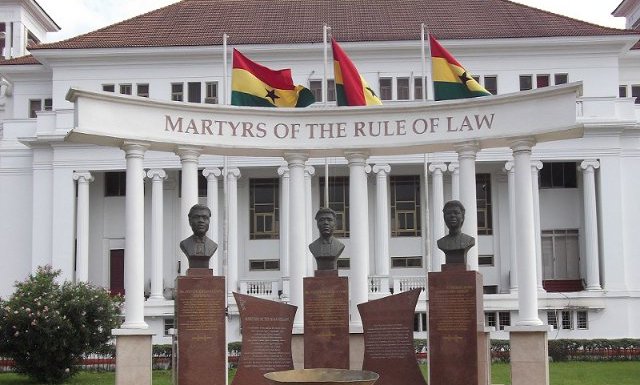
125,89
386,88
410,262
498,320
37,105
177,92
402,88
417,88
405,205
264,208
560,254
194,92
169,323
142,90
211,93
558,175
264,264
315,86
568,319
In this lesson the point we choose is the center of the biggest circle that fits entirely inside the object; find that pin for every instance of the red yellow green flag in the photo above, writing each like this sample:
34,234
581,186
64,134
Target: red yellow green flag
255,85
450,79
351,88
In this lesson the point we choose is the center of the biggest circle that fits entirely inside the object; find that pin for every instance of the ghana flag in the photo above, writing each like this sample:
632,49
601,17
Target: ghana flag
450,79
255,85
351,88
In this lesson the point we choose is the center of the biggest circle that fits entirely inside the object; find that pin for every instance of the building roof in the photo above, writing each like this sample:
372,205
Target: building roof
28,59
203,22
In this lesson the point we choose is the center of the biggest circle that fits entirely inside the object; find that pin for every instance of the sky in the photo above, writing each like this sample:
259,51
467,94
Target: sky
76,17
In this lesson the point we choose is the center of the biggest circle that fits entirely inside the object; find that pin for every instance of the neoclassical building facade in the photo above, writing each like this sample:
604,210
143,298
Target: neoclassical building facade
67,199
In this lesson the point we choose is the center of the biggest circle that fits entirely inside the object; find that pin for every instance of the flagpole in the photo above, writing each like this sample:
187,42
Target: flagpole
424,63
427,244
430,66
224,67
325,85
225,225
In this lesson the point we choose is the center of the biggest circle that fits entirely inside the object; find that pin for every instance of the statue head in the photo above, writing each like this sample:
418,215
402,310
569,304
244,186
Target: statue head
199,216
326,221
453,215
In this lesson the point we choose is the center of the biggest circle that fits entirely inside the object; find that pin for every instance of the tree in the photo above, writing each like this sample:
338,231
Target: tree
46,327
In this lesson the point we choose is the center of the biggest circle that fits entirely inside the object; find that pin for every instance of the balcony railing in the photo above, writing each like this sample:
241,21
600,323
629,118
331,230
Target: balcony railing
402,284
260,288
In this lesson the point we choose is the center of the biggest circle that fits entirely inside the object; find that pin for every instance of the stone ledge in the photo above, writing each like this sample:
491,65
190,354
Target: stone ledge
132,332
530,329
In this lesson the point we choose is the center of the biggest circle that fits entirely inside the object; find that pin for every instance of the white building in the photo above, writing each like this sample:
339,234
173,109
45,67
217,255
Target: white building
63,203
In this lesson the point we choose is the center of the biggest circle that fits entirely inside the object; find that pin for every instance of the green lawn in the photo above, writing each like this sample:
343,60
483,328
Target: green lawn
561,373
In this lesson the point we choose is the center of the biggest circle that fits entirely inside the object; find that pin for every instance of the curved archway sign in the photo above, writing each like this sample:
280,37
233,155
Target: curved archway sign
107,119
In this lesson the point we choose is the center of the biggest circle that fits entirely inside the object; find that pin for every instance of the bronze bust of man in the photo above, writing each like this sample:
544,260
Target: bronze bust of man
326,249
199,248
456,244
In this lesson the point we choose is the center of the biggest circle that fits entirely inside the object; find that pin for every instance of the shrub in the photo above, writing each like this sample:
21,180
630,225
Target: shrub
47,327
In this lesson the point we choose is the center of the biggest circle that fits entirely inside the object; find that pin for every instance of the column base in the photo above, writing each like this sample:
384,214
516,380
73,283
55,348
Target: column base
593,288
133,356
529,355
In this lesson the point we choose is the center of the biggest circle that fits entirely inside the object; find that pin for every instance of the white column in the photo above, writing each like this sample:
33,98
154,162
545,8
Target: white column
454,169
467,159
438,220
309,172
297,244
134,238
359,233
591,223
284,221
513,263
189,194
536,165
157,177
8,39
212,175
232,263
382,220
525,235
82,225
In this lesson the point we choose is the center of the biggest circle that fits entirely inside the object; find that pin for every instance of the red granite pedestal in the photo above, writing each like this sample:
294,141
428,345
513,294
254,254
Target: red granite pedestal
456,318
200,321
326,322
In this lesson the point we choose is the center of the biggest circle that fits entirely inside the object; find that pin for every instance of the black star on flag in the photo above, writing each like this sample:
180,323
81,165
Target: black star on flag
271,94
465,78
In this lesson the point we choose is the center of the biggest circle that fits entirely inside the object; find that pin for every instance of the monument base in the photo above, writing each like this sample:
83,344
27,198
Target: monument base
529,355
356,351
133,356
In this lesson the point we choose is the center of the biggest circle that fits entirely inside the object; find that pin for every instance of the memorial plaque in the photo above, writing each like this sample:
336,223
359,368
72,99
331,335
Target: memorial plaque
455,319
266,338
326,322
388,339
200,320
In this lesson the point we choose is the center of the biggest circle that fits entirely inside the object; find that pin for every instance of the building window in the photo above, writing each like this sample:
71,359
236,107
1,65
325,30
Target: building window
411,262
491,84
635,93
169,323
109,87
526,82
264,264
405,206
567,321
211,96
561,78
194,92
559,175
490,319
420,322
403,88
542,81
504,319
622,91
343,263
552,319
483,198
264,208
582,320
331,90
315,86
560,254
115,184
417,88
338,202
490,289
485,260
498,320
177,92
37,105
125,89
386,85
142,90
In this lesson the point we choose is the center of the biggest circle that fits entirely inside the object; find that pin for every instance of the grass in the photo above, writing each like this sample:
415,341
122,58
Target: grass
560,373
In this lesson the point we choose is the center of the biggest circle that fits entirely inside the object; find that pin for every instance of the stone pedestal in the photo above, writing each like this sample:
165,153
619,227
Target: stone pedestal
388,339
266,338
529,355
356,350
456,321
326,322
200,320
133,356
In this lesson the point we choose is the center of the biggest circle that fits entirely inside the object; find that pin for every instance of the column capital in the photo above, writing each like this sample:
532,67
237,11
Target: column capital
283,171
381,169
156,174
188,153
508,166
438,167
309,171
296,158
134,149
211,172
454,167
233,172
522,144
589,165
536,165
355,157
467,149
83,176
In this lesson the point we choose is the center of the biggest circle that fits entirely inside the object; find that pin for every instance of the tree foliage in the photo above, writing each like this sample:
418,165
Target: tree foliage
46,327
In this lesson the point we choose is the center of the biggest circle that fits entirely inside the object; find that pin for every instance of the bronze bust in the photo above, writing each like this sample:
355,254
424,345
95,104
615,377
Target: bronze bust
199,248
456,244
326,249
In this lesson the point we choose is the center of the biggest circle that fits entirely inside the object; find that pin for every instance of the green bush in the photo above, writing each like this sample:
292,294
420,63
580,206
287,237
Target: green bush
46,327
